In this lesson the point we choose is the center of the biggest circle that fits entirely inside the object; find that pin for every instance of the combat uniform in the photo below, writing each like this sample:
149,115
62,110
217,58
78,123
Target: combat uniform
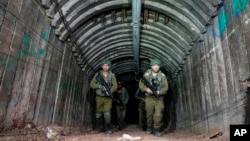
141,108
121,96
103,102
154,106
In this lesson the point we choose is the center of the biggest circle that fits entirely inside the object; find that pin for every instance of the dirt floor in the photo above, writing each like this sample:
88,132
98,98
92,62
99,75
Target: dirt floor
130,133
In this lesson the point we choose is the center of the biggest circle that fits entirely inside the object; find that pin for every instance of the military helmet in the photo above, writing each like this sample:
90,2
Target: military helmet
155,62
106,61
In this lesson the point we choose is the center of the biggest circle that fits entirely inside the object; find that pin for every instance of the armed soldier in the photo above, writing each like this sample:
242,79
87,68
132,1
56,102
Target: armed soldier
121,99
105,84
154,92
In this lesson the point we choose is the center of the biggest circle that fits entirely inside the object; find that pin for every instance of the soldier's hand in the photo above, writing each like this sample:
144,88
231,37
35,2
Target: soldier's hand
149,91
158,92
245,83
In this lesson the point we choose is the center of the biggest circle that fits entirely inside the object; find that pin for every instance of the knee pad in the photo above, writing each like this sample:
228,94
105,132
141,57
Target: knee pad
98,115
107,117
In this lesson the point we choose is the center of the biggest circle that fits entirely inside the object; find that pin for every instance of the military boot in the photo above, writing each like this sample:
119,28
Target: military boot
149,130
99,124
108,126
157,133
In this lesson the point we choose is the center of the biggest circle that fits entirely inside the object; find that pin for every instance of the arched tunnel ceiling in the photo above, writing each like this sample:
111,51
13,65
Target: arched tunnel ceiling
99,29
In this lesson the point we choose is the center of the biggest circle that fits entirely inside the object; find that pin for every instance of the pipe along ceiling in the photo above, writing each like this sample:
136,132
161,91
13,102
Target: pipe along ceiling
130,32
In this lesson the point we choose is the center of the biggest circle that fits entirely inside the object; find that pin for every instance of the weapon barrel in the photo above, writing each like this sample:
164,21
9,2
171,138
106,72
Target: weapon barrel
152,88
106,87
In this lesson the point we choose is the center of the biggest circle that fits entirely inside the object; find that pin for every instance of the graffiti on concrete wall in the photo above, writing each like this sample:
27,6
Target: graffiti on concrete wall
27,48
237,7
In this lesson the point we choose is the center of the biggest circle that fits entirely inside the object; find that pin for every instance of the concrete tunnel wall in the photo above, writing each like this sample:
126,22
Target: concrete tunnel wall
207,91
41,81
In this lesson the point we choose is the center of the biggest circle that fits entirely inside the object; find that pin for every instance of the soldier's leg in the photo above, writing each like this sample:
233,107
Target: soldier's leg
107,114
123,118
119,117
142,114
144,121
159,107
98,114
149,107
99,123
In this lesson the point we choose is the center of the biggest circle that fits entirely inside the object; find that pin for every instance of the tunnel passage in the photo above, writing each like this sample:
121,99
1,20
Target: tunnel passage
47,58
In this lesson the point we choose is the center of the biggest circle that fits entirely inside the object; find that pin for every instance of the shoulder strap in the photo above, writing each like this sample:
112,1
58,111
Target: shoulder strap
110,77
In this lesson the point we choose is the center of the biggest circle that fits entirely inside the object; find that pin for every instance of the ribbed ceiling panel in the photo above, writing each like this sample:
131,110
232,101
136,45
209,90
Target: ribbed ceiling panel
101,29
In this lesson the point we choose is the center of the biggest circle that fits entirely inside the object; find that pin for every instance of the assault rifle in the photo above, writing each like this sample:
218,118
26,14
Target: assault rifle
152,88
120,103
105,85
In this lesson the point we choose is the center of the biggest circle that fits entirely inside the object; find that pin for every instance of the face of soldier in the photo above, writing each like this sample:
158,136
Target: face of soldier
105,67
155,68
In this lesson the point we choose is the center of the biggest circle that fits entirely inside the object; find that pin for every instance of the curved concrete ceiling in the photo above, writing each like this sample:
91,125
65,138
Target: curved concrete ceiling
99,29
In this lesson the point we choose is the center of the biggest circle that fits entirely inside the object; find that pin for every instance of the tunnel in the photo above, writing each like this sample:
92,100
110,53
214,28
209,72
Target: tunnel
51,49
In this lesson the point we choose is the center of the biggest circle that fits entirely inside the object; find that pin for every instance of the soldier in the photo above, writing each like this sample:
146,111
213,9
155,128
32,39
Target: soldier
154,103
103,98
121,100
141,108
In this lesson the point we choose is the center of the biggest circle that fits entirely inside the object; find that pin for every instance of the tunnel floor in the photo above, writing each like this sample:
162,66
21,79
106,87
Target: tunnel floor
130,133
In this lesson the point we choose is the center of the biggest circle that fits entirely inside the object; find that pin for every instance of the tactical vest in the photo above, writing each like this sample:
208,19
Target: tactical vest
108,81
155,81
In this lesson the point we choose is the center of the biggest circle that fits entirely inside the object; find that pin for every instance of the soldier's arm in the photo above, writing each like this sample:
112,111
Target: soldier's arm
137,94
126,95
164,87
94,83
114,84
142,86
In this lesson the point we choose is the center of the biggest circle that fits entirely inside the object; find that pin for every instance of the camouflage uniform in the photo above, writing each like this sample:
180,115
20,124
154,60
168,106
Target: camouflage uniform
141,108
154,106
103,102
121,96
